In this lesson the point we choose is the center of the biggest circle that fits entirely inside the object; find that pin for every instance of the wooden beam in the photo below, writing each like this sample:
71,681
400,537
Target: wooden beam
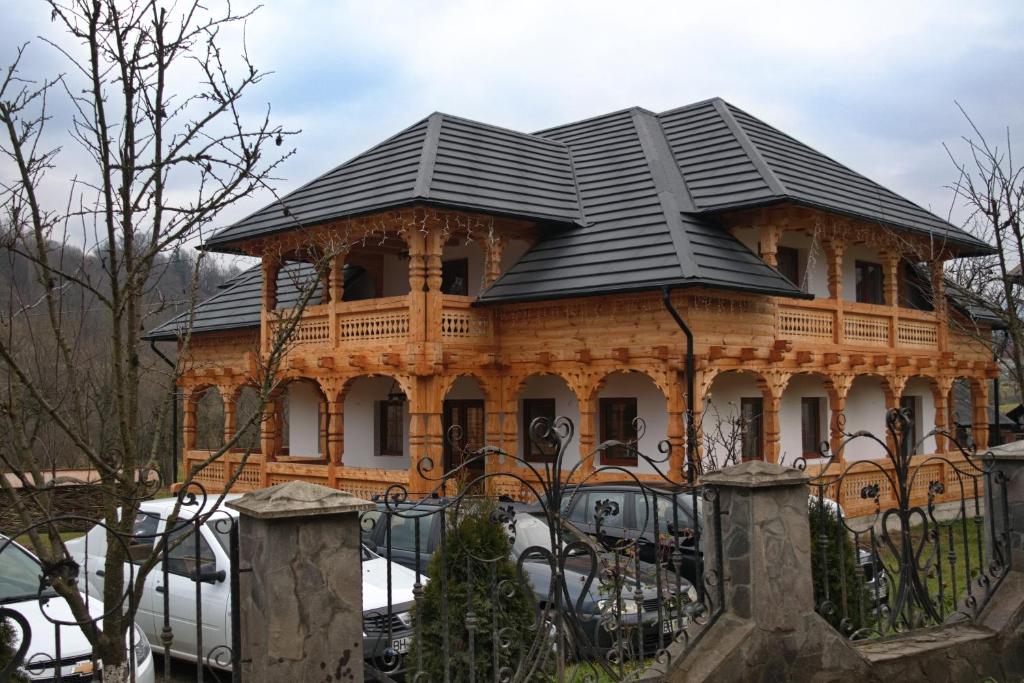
804,357
831,358
584,356
325,362
621,354
748,353
716,352
391,359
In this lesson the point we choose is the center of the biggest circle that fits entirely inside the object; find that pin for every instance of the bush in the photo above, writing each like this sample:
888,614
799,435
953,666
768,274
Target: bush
7,635
476,534
842,561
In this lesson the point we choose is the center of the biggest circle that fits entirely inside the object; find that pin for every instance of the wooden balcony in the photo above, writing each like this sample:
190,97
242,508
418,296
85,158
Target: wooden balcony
860,325
387,320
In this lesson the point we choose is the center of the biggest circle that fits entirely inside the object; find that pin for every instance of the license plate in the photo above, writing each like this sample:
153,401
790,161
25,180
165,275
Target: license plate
401,645
670,625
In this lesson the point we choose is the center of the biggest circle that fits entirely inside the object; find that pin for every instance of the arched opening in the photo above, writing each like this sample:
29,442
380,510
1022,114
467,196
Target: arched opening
303,420
804,417
624,397
546,396
247,419
961,412
918,400
865,411
464,423
376,423
732,421
209,418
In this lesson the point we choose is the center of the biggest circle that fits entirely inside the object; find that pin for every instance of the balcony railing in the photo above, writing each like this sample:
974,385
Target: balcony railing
862,325
385,319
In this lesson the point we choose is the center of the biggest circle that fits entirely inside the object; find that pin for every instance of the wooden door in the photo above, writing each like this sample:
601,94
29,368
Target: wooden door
469,415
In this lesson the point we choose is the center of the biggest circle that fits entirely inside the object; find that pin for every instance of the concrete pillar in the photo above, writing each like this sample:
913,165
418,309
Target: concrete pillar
301,603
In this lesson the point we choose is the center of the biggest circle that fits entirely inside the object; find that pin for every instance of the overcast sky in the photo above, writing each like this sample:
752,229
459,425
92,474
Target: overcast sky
871,84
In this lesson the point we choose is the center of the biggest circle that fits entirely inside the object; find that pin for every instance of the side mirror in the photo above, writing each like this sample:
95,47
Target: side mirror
210,575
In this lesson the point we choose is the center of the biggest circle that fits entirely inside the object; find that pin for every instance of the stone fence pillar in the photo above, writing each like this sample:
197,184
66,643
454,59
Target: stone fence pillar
301,598
1009,463
769,629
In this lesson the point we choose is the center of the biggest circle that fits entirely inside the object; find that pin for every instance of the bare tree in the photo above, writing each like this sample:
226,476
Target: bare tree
991,187
162,164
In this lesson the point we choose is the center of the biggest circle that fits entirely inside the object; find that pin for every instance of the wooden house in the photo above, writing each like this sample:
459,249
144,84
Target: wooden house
485,277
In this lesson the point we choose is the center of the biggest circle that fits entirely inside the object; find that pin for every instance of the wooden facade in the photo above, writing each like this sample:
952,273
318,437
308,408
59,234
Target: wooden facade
426,340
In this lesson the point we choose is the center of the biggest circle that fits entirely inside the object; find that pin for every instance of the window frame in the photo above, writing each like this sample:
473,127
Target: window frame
382,429
615,457
865,288
816,437
528,405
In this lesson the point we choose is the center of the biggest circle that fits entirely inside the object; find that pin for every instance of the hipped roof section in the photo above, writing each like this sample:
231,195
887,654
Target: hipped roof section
625,201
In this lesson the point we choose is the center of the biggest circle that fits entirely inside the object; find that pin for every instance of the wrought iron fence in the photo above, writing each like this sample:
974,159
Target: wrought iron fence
592,575
918,563
184,549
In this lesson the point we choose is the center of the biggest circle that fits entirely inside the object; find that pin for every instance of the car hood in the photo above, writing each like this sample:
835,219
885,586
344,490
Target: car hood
375,584
42,645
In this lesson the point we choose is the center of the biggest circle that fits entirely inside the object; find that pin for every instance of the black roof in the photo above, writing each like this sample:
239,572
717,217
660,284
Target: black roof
640,229
442,160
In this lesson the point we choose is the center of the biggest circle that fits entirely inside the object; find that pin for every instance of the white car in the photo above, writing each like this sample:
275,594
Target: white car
212,566
19,591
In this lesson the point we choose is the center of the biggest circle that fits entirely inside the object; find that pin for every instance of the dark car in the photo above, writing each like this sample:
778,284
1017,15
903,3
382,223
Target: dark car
627,516
663,614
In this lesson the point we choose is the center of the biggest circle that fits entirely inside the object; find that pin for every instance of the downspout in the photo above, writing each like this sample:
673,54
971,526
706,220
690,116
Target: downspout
174,414
691,430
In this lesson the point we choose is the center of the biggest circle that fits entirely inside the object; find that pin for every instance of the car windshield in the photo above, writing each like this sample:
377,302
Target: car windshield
532,530
19,576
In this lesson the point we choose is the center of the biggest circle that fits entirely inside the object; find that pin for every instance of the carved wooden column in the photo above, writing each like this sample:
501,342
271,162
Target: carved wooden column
494,247
229,396
586,391
188,419
509,443
268,439
893,390
834,261
677,429
417,281
425,434
335,291
270,267
837,407
979,419
943,385
768,244
434,247
492,427
771,390
890,282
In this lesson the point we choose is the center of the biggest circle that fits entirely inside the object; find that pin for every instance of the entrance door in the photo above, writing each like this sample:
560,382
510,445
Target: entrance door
469,415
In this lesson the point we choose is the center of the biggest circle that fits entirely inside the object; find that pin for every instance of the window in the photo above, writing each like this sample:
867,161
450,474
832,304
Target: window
751,428
455,277
182,558
390,422
403,530
788,260
617,424
869,282
810,424
911,405
140,545
667,511
534,450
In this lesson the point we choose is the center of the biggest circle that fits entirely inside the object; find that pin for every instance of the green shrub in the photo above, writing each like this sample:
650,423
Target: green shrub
842,561
474,533
7,635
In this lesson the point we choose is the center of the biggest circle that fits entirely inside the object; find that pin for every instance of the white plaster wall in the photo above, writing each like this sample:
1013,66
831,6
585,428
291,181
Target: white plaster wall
303,414
920,389
650,406
813,267
853,253
790,422
566,405
361,429
722,405
396,275
475,255
865,410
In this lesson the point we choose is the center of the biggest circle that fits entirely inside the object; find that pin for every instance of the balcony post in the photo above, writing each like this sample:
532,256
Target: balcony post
434,247
772,387
494,247
896,385
768,244
417,280
270,266
837,407
677,431
335,291
228,394
890,265
943,385
188,420
834,260
979,420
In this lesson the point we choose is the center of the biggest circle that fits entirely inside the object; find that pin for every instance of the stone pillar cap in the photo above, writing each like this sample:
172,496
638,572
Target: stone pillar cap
298,499
1008,451
755,474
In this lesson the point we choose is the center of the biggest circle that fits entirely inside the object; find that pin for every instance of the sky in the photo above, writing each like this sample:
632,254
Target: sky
872,84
